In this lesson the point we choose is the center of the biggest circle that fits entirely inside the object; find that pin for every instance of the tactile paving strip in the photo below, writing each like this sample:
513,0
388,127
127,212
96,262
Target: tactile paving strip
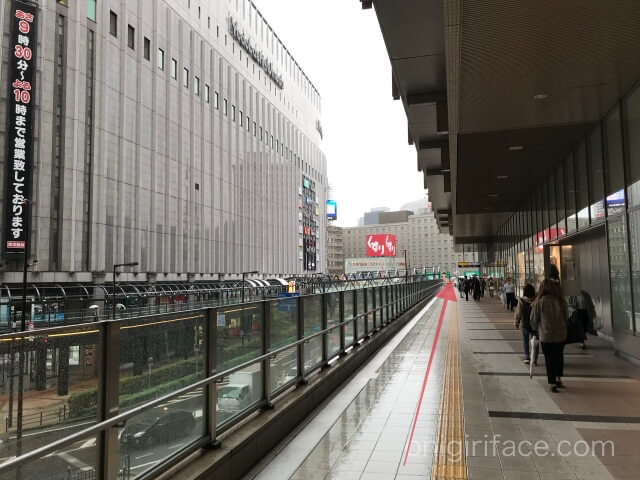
449,456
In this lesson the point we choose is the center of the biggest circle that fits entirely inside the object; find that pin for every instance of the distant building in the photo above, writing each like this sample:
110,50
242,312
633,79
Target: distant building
372,217
335,251
417,234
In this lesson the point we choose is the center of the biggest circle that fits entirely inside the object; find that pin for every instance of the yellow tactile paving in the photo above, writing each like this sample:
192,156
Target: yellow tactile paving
449,456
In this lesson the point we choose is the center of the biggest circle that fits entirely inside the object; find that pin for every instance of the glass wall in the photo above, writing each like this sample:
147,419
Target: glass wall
632,134
614,169
582,185
596,175
619,272
598,182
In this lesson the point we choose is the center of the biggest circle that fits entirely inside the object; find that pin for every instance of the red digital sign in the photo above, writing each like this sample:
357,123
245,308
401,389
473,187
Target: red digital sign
381,245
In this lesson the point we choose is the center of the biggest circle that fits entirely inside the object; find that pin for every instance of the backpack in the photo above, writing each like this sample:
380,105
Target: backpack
525,312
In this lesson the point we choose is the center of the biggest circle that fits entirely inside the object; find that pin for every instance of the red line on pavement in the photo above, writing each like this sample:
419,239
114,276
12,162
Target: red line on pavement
426,377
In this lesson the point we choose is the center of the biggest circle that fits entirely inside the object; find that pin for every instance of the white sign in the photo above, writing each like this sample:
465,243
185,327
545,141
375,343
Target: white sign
222,320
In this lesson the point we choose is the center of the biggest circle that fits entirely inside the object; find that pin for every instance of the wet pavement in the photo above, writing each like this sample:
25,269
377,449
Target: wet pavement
480,415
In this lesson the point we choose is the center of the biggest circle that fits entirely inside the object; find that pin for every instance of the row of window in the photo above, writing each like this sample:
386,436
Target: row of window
242,120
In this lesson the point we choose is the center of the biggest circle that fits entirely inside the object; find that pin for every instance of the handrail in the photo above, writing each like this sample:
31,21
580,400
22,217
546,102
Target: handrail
120,419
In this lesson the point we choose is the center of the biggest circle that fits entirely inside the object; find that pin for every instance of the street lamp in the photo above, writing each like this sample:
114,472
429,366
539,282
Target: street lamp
23,324
116,266
244,274
406,267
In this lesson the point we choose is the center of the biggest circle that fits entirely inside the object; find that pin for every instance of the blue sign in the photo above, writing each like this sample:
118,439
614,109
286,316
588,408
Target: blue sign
332,210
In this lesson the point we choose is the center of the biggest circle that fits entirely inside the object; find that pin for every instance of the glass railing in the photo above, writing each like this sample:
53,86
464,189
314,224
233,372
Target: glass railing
122,398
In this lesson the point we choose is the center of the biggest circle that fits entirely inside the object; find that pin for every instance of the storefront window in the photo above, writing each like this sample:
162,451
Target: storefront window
619,273
596,177
614,170
570,194
582,185
560,204
634,234
632,124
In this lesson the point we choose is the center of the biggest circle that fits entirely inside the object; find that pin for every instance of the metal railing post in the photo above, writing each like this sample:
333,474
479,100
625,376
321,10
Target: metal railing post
266,348
343,327
109,403
354,308
211,353
325,336
301,345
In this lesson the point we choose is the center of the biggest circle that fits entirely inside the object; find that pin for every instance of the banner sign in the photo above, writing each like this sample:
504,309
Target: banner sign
381,245
20,108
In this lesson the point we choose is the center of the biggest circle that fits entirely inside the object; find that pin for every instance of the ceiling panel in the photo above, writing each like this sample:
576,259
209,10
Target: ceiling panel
583,54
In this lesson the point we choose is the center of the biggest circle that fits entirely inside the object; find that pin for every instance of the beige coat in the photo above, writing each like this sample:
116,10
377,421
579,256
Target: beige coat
549,318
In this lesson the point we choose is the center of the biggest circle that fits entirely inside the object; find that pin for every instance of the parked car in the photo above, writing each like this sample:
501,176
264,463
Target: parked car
156,427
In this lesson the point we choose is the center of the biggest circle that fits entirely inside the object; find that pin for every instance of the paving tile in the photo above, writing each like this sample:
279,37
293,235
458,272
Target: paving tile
381,467
520,475
342,475
478,473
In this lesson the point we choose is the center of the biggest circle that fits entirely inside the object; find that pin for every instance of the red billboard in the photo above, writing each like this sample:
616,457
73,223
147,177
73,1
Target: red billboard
381,245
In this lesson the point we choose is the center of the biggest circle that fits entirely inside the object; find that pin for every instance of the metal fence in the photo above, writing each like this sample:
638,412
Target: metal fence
142,393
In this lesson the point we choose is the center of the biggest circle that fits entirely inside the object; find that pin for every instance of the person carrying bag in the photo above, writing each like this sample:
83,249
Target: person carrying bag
522,320
549,316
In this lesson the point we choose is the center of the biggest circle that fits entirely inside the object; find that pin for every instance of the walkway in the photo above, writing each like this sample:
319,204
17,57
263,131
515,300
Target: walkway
514,428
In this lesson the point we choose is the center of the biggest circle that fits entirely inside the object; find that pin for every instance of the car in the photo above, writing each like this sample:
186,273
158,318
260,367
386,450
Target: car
157,426
234,397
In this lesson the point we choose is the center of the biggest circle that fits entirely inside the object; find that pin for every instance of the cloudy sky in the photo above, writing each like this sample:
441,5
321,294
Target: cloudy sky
340,48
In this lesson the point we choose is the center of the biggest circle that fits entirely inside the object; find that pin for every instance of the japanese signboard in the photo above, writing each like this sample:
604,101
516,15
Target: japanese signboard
381,245
20,108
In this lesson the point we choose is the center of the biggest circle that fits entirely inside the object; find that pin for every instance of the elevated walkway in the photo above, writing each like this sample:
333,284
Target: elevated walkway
450,398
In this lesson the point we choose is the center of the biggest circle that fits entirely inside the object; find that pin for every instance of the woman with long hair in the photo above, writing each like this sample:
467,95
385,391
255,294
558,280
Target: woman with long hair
549,316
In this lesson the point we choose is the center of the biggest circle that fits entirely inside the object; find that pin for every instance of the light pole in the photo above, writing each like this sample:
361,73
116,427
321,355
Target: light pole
406,267
244,274
116,266
23,326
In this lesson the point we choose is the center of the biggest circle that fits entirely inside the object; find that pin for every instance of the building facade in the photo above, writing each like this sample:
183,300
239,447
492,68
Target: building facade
335,250
418,235
179,134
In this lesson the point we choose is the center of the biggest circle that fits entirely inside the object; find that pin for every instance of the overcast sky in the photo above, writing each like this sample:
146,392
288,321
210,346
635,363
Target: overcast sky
340,48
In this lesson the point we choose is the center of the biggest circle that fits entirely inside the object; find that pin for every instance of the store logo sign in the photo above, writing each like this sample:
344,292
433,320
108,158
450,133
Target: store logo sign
259,57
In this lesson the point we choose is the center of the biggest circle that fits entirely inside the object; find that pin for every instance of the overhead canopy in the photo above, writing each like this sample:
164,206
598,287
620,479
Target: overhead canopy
497,93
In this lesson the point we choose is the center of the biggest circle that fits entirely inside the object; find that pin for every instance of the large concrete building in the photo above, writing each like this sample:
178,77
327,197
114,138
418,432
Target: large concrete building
418,235
181,135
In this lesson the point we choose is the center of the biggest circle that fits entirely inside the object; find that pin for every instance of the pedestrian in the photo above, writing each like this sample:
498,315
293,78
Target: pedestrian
584,312
467,287
461,286
549,317
476,288
483,286
492,286
522,320
510,294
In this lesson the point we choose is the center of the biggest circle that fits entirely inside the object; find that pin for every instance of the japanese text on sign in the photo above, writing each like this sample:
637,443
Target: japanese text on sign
381,245
21,78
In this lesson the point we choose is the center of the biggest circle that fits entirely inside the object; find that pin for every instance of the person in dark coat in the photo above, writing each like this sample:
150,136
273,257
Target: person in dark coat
467,287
